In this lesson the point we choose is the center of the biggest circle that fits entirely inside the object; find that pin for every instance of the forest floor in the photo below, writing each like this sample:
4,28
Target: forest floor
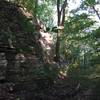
68,89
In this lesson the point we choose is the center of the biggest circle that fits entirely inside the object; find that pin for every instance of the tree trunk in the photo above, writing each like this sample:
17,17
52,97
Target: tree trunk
61,19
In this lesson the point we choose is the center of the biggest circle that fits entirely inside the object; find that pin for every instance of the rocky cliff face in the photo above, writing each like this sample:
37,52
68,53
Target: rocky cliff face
23,52
17,53
22,49
19,63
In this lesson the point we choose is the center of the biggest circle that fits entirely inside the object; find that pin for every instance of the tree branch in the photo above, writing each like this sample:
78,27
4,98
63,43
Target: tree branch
58,11
63,17
96,12
64,5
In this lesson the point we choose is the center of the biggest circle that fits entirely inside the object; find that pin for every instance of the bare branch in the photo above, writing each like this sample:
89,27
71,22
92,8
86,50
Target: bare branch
58,11
64,5
97,13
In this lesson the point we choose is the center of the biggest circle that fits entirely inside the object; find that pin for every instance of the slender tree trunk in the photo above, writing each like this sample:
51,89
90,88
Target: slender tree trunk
35,11
61,19
58,48
58,38
58,11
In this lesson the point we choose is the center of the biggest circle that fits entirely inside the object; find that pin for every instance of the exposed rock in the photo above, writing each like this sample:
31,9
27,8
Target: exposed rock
3,66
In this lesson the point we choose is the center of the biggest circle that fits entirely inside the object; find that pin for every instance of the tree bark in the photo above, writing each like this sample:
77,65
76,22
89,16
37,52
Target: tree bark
58,11
63,17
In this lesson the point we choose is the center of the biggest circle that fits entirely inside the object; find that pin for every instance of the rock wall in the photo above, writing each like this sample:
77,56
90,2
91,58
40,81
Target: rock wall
22,53
17,58
3,66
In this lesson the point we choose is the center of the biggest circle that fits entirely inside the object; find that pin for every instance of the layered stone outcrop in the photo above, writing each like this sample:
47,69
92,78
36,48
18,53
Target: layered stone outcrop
23,54
16,41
